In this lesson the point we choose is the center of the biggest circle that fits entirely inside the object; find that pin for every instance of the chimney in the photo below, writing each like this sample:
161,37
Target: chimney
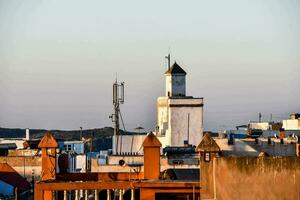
48,146
151,147
27,136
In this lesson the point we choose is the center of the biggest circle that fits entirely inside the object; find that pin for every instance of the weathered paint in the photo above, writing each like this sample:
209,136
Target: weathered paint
253,178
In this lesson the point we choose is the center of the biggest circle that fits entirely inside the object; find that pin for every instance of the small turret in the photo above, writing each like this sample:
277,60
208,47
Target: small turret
175,81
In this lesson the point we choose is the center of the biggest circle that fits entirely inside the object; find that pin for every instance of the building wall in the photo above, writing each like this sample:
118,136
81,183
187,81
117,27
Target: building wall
18,142
113,166
162,115
168,85
257,178
81,162
260,125
175,85
24,165
76,146
172,119
291,124
127,141
180,125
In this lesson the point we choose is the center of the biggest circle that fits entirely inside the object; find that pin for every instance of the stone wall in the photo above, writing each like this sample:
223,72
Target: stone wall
265,178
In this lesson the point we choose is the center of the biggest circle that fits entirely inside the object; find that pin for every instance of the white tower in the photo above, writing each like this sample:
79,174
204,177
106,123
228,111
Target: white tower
179,117
175,81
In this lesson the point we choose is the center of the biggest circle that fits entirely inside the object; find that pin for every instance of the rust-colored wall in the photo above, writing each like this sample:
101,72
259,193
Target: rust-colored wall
265,178
151,162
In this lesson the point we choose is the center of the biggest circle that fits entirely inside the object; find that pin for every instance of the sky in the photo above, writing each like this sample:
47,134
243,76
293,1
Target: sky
59,59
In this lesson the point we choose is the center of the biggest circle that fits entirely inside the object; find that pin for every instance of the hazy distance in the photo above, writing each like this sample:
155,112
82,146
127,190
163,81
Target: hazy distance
58,60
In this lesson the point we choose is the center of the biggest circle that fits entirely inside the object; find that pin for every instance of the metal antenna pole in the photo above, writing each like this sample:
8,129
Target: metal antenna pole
80,133
168,57
259,117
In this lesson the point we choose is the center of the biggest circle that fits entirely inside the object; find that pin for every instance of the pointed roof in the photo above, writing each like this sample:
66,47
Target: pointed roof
208,144
48,141
12,177
151,141
175,69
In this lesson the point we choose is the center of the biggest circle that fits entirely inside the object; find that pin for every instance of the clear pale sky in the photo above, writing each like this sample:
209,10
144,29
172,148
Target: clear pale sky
58,60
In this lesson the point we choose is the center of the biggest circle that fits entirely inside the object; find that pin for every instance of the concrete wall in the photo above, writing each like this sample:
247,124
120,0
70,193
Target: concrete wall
24,165
113,165
127,140
81,162
265,178
291,124
179,123
162,115
18,142
172,119
260,125
175,85
178,85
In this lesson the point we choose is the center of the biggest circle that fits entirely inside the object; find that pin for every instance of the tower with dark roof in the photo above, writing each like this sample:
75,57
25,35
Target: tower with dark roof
175,81
179,116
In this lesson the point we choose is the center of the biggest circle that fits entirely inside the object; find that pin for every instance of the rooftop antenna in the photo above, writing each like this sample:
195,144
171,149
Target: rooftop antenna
259,117
168,57
118,98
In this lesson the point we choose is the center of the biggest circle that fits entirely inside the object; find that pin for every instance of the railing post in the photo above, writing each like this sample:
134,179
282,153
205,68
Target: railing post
108,195
132,194
65,194
86,195
76,195
121,194
96,195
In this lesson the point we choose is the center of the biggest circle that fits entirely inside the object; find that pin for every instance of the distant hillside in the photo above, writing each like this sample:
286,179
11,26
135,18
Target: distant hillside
102,137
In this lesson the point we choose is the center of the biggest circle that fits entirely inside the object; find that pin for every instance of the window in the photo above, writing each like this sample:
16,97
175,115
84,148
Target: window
206,157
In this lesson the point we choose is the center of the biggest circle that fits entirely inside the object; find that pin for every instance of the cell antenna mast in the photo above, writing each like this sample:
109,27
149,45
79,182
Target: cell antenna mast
118,98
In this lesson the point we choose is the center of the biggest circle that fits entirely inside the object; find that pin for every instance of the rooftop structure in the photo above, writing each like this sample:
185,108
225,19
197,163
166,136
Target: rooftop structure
179,117
10,181
293,123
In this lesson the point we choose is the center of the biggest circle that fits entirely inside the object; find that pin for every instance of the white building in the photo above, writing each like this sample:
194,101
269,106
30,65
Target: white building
293,123
179,117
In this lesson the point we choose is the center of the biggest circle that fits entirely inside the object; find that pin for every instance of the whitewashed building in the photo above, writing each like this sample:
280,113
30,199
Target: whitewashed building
293,123
179,117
